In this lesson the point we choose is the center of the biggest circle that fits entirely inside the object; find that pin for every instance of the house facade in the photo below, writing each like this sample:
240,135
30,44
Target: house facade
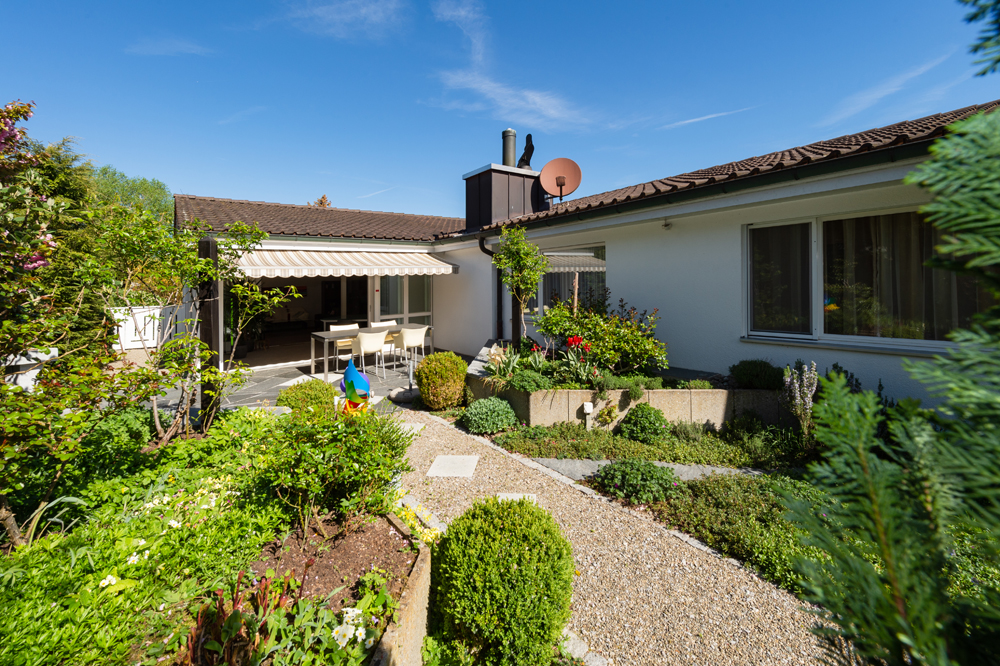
814,253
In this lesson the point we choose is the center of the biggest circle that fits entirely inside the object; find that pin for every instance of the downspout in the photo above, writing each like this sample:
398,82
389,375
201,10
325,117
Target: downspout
490,253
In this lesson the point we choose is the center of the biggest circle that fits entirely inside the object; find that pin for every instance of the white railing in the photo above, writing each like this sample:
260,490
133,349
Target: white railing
139,326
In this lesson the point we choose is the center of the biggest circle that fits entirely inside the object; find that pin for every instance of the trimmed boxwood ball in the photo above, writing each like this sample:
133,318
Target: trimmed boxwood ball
441,380
503,578
644,423
314,393
488,416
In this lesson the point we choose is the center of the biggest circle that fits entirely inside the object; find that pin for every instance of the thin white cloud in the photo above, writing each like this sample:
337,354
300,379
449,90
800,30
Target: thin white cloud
538,108
708,117
349,18
240,115
365,196
865,99
468,15
166,47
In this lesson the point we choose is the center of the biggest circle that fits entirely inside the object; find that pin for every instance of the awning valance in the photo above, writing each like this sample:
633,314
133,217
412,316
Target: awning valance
560,263
319,263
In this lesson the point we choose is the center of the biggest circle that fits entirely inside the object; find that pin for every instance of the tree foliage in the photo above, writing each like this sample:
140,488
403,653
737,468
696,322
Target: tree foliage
114,187
894,505
521,266
989,36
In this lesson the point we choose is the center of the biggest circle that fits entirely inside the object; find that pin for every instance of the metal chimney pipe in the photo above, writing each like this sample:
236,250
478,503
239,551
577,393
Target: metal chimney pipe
509,147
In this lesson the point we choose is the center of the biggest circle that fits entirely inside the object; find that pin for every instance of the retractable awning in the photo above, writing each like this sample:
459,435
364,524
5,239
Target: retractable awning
559,263
317,263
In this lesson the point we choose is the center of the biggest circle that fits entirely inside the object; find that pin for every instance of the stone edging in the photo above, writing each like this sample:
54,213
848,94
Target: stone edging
401,642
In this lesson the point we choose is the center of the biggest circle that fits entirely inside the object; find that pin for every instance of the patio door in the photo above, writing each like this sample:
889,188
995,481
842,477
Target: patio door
404,298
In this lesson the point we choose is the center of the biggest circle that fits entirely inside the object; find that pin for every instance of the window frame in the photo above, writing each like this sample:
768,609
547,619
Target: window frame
818,336
405,315
530,315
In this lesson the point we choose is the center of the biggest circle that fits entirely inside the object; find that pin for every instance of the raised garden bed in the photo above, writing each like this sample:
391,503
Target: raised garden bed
703,406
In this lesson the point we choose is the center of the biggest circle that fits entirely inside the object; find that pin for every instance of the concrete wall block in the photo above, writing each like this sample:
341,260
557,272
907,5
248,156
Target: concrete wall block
711,406
401,642
674,403
547,407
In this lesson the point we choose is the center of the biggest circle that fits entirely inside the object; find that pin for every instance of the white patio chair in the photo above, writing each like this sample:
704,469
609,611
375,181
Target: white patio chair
409,338
369,343
342,350
375,326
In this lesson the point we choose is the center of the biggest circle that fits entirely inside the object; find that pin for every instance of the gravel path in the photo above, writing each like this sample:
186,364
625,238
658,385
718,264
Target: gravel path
641,595
582,469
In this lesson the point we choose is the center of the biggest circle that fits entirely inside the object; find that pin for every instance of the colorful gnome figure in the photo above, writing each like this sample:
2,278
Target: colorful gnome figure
355,388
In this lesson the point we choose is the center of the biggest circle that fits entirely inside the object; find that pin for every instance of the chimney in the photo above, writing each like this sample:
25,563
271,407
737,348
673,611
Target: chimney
498,192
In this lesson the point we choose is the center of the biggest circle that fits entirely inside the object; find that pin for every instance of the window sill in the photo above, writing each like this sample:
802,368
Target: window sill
893,349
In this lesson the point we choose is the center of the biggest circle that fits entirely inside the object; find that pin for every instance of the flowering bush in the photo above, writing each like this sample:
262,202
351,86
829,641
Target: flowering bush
621,341
798,395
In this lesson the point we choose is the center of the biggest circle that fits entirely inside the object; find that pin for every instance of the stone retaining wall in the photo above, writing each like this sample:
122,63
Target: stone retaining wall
705,406
401,642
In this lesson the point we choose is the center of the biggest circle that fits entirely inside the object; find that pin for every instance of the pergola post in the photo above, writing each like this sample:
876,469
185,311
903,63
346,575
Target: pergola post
210,315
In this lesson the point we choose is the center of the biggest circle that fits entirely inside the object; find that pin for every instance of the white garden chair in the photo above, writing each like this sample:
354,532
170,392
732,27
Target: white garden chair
407,339
369,343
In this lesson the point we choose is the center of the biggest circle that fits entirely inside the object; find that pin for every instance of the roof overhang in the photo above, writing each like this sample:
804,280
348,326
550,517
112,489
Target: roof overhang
318,263
575,263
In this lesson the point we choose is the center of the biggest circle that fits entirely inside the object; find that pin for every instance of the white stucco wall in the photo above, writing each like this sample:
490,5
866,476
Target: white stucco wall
464,303
694,274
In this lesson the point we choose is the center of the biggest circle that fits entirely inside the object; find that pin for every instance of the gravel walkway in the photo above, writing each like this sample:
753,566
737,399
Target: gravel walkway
641,595
583,469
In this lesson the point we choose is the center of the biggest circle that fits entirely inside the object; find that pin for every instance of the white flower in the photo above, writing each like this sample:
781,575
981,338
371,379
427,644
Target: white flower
174,523
360,634
369,643
161,607
110,580
133,558
342,634
145,555
351,615
140,542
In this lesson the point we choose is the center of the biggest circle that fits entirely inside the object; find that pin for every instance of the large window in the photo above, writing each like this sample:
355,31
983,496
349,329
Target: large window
579,271
407,299
872,280
779,279
876,282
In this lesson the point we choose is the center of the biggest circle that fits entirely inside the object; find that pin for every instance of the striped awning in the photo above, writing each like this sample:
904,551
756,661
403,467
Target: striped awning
559,263
317,263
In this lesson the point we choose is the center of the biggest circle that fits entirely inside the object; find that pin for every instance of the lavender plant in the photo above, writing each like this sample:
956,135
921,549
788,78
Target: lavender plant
797,396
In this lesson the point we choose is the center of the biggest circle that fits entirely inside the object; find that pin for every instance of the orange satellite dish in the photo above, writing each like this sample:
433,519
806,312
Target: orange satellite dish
560,177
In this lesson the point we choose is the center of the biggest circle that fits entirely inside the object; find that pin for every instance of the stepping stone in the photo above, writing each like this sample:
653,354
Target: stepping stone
513,497
463,466
403,394
415,428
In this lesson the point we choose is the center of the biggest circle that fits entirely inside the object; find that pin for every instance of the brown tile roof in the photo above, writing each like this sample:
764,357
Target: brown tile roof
294,220
908,131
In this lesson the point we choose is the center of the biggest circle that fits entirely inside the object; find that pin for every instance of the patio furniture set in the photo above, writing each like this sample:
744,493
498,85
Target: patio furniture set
379,339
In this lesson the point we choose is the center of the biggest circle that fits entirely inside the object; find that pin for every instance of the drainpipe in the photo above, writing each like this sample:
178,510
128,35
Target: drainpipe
490,253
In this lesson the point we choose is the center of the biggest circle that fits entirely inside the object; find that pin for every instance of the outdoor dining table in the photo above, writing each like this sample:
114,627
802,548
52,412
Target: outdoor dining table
326,336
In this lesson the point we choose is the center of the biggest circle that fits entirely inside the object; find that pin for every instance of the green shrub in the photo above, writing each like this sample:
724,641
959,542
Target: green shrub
573,440
622,341
688,431
441,380
502,576
743,517
644,423
314,393
757,374
529,381
637,481
697,384
488,416
335,462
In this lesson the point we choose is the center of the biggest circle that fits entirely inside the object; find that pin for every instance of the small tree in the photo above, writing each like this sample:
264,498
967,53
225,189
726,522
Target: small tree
322,202
522,266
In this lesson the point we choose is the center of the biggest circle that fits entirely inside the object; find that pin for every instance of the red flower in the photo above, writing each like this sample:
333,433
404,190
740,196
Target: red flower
586,347
574,341
535,348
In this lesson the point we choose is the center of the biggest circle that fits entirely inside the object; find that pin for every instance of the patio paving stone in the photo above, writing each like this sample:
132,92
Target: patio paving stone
453,466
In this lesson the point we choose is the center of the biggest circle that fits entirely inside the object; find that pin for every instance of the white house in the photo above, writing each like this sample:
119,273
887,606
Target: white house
815,252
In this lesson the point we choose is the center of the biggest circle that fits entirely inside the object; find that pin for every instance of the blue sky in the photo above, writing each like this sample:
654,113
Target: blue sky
384,104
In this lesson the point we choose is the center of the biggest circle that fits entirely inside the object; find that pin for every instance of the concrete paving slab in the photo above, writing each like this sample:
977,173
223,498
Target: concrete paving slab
513,497
415,428
463,466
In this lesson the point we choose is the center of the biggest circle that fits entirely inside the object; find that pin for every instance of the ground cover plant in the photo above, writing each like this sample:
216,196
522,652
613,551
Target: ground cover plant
165,527
501,582
636,481
488,416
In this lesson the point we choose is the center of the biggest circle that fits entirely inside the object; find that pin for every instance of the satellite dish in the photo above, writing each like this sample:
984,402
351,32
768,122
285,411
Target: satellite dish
560,177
